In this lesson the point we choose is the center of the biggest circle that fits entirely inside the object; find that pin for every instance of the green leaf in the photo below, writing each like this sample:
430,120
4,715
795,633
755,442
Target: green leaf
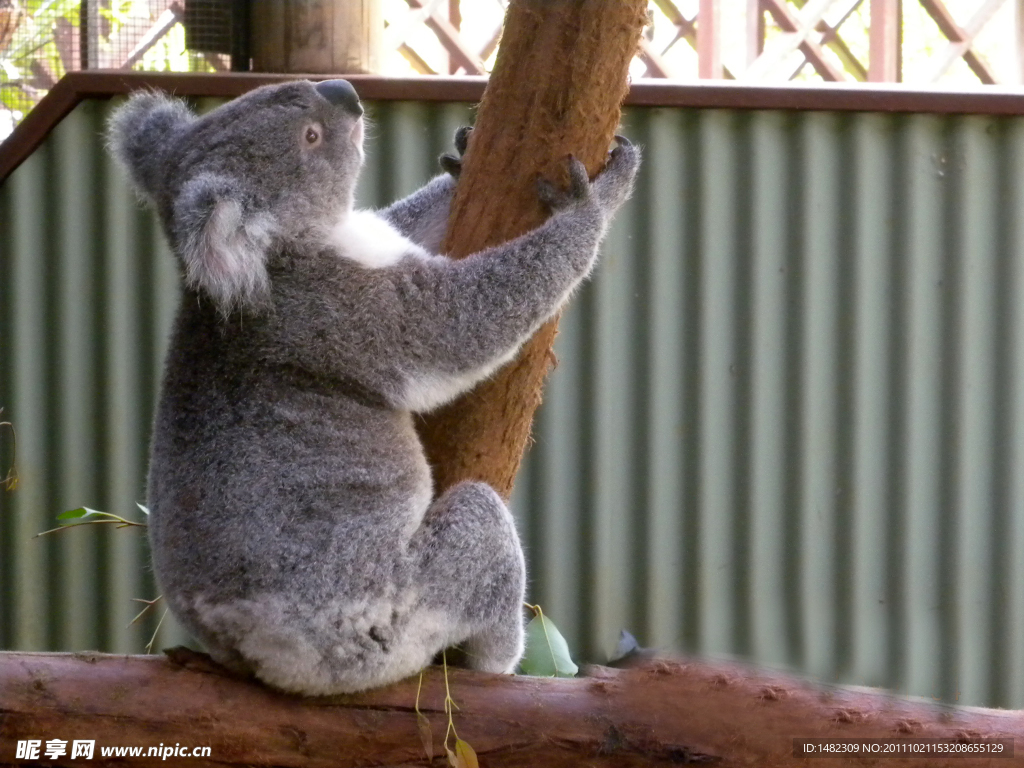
79,514
547,653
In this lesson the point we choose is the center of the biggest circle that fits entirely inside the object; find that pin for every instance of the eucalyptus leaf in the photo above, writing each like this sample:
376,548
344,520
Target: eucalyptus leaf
547,653
78,515
426,735
465,755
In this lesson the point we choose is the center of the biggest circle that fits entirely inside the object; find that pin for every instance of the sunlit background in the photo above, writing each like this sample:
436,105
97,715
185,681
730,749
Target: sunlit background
40,40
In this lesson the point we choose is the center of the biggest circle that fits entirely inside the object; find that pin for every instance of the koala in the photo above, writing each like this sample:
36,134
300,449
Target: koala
293,522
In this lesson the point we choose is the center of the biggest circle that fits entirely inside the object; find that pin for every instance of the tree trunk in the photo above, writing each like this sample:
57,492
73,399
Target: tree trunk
664,714
558,82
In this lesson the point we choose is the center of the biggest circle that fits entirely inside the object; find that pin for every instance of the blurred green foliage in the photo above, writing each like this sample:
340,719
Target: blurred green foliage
40,42
29,57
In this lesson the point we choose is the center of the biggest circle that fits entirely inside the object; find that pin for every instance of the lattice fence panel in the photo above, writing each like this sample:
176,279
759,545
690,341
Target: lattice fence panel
960,43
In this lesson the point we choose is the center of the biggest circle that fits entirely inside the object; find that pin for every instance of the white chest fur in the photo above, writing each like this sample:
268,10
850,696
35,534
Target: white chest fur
367,239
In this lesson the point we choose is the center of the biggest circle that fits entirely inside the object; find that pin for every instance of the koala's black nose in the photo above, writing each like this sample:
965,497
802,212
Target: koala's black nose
341,94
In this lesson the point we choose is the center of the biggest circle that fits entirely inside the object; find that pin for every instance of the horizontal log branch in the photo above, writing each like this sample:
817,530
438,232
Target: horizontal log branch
665,713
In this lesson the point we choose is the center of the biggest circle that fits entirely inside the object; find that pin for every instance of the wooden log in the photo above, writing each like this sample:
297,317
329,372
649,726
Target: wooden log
316,36
557,85
666,713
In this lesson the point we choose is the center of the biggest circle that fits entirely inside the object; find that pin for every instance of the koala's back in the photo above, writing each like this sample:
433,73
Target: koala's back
269,477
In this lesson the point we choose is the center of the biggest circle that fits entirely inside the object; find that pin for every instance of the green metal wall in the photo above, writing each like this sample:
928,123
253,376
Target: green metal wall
787,424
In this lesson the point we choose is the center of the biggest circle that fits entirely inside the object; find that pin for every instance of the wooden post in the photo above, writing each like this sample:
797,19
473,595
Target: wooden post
755,30
709,32
455,19
1019,13
316,36
885,42
560,76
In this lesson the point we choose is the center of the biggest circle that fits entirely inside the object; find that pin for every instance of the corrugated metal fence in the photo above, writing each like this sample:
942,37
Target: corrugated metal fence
787,424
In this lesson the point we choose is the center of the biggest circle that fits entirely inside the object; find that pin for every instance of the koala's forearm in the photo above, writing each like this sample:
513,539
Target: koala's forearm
423,216
480,309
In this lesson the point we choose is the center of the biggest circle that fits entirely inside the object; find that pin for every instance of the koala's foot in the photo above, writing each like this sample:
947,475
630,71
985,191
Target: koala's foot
463,582
471,564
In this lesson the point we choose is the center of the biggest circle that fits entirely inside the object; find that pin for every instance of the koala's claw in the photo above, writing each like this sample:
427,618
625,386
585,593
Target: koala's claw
451,164
579,180
462,139
555,198
614,184
623,146
610,189
550,196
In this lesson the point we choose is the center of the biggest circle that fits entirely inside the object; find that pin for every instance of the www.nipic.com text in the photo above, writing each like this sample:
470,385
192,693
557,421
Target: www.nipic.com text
51,749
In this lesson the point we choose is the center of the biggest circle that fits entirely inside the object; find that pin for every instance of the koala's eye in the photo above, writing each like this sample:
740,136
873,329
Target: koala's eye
312,135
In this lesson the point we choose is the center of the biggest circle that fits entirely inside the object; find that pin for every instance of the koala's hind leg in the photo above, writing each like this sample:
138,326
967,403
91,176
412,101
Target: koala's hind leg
471,563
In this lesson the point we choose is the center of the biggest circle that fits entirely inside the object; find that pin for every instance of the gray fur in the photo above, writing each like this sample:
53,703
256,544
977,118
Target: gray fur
293,525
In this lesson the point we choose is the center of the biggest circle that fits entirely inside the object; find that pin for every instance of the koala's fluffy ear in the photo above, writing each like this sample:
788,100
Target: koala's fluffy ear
223,246
138,132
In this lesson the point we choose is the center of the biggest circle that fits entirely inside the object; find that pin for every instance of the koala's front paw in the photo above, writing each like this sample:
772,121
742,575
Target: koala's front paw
450,163
579,188
609,190
614,183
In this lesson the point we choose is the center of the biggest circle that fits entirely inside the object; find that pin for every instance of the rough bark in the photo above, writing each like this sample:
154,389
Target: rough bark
667,713
556,89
